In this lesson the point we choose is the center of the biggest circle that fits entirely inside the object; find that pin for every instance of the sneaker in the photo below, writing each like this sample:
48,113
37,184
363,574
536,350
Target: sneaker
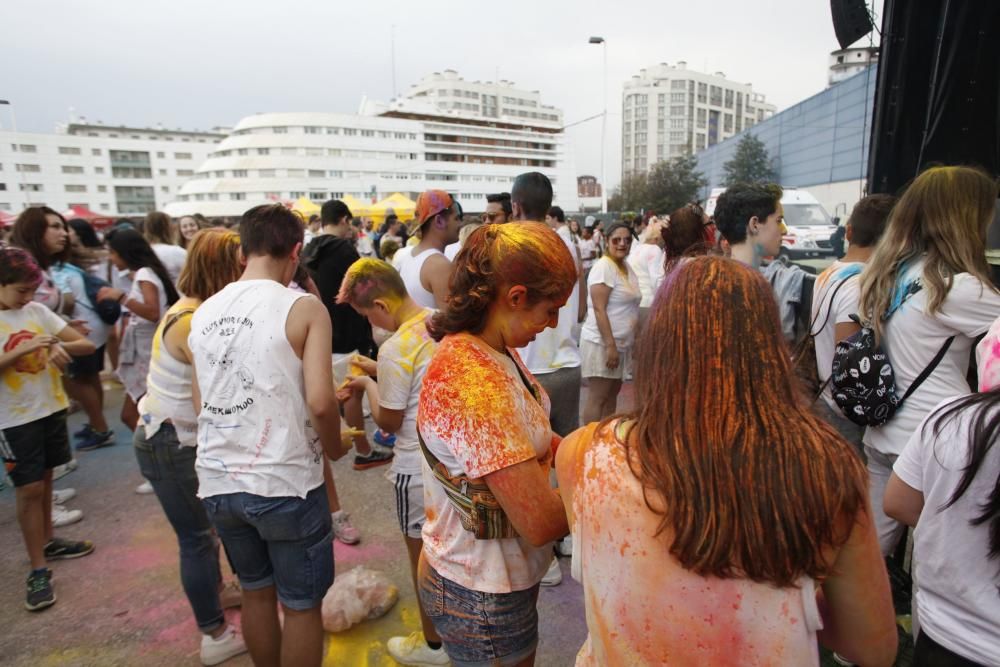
564,547
379,456
229,644
231,595
40,593
554,576
343,529
96,440
64,517
60,496
84,432
384,439
61,471
144,489
60,549
413,650
840,660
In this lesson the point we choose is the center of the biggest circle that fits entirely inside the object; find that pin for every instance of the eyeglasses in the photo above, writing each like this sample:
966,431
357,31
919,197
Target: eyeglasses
621,240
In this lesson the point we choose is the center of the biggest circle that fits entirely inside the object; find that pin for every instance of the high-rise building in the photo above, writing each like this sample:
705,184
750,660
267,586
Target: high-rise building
587,186
669,111
112,170
497,100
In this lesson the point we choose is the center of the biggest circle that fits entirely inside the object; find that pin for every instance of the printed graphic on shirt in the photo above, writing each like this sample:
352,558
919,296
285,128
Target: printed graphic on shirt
231,396
34,362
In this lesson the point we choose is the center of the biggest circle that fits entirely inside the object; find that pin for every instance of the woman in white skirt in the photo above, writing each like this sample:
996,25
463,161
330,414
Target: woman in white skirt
151,294
613,297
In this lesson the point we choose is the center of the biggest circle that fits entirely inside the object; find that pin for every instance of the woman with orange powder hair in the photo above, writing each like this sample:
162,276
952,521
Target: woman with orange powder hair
165,440
484,430
719,522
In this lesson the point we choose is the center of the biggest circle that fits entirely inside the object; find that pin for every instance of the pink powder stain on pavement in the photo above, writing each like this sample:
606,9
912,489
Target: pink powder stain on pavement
361,553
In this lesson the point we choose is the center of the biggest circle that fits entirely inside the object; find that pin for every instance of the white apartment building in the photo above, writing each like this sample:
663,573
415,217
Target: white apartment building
408,145
109,170
845,63
669,111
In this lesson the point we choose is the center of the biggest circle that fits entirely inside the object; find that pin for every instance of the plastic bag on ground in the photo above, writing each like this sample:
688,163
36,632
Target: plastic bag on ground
356,595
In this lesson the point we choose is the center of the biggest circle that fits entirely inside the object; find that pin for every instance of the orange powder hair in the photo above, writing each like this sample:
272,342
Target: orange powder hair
368,279
498,256
749,484
213,261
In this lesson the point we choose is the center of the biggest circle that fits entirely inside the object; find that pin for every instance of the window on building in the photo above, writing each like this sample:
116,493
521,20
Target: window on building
266,173
161,154
98,170
677,110
69,150
678,84
243,151
212,196
102,188
162,172
288,150
677,136
640,137
239,173
336,174
628,114
164,188
71,169
310,129
729,99
71,187
313,151
280,130
296,173
333,152
27,168
25,148
105,207
317,196
367,133
317,173
727,122
715,95
263,151
661,98
678,97
95,151
678,122
640,124
182,156
237,196
30,187
333,130
350,132
187,173
296,195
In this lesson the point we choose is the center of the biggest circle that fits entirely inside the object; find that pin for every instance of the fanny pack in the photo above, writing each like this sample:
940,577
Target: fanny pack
477,507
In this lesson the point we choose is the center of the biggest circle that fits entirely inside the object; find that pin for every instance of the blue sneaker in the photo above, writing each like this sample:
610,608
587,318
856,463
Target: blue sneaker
96,440
84,432
384,439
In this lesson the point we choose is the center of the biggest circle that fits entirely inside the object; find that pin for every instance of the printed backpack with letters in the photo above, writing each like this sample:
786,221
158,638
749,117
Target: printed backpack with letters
864,383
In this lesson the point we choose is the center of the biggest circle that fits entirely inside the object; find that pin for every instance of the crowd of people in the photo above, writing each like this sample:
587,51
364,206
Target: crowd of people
730,508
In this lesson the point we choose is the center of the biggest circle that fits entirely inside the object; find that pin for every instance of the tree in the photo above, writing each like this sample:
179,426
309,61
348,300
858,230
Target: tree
631,193
673,184
750,164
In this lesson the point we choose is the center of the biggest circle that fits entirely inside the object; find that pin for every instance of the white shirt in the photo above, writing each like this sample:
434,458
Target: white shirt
402,362
401,257
141,324
31,388
556,348
623,303
587,249
646,259
173,258
409,271
451,250
911,340
252,435
838,311
956,583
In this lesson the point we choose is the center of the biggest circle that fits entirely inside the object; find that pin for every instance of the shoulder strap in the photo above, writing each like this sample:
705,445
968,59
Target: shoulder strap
928,370
530,387
173,319
829,309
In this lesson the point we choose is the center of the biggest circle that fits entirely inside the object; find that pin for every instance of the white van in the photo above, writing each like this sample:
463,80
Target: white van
809,225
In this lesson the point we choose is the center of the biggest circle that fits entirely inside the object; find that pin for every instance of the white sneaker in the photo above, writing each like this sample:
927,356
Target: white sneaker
64,517
64,469
229,644
413,650
60,496
144,489
564,547
554,576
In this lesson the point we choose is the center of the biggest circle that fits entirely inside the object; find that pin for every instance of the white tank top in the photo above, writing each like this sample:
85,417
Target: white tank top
252,426
168,387
410,273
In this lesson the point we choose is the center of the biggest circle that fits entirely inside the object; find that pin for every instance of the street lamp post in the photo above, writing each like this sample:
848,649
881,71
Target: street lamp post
604,126
13,127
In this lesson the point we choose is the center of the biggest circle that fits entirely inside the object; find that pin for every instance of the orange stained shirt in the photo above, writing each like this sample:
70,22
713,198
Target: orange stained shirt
642,606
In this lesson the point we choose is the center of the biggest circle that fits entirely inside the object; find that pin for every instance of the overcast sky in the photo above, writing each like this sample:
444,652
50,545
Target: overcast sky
198,64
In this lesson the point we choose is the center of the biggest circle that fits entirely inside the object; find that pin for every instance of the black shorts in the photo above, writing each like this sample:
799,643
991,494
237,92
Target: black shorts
30,449
91,364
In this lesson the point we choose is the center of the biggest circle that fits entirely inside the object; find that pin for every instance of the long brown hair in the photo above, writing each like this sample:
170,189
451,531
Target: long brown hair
29,233
500,255
158,228
749,484
684,235
942,217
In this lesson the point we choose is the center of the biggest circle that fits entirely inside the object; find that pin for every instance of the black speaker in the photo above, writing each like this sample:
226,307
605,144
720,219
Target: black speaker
851,20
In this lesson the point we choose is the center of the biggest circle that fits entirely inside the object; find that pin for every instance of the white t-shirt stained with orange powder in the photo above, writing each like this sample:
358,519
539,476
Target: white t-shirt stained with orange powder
643,607
477,417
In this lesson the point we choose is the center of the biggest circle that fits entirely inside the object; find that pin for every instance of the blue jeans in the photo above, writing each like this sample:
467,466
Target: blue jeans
285,542
170,469
479,629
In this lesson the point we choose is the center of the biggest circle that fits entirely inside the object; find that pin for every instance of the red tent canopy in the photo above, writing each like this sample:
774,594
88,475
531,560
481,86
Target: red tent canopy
6,219
96,219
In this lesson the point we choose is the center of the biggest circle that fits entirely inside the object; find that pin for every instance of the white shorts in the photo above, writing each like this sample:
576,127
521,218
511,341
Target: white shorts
410,504
593,361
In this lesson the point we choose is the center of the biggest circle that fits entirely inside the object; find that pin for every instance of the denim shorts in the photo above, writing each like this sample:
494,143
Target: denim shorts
480,629
285,542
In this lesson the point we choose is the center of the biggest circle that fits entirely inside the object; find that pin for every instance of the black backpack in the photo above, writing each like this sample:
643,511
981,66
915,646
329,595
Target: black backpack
864,384
108,310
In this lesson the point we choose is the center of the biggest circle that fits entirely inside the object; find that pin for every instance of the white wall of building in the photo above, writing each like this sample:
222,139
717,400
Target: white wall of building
60,170
669,111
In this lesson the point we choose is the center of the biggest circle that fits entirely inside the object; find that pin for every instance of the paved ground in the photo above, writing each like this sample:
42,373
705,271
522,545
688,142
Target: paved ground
123,604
